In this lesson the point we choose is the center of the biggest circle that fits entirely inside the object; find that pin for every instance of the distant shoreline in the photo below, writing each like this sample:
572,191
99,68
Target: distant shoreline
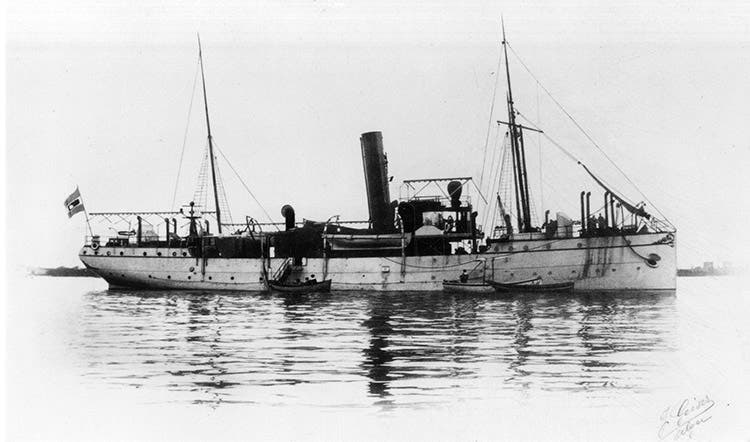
700,272
63,272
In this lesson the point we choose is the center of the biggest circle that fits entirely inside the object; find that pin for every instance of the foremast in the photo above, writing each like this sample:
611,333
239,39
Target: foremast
520,176
210,139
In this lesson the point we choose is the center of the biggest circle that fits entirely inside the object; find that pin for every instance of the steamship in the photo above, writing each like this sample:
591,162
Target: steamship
413,243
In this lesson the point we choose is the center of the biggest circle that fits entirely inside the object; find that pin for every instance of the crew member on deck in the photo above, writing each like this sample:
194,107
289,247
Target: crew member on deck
464,277
449,224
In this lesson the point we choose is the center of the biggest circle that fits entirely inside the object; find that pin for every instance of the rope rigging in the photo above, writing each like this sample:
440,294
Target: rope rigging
245,186
584,132
184,137
489,123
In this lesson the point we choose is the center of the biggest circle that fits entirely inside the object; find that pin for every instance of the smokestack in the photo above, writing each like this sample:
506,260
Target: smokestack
376,181
588,208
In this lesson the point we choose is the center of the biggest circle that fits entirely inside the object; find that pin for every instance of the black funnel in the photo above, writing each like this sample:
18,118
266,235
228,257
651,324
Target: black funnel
375,165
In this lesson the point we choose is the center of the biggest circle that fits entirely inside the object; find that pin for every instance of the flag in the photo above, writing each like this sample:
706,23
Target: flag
74,204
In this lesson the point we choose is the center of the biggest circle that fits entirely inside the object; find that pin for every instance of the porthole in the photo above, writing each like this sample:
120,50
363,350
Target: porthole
144,253
158,253
260,279
189,277
614,270
122,275
191,269
597,271
210,278
510,248
169,276
84,252
96,252
363,276
573,271
121,253
653,260
638,268
108,253
149,276
231,278
174,253
511,274
549,273
184,254
525,248
580,245
432,277
533,274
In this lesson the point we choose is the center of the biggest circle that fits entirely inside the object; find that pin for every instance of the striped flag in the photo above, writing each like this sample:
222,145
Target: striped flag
74,204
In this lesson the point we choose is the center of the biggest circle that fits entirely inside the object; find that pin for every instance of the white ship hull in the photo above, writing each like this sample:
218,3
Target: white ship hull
597,263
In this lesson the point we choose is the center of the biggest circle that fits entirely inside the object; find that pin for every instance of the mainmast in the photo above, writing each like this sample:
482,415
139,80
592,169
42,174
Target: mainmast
210,140
519,156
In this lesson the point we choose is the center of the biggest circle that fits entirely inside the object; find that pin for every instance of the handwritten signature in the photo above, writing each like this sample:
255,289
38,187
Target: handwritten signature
681,419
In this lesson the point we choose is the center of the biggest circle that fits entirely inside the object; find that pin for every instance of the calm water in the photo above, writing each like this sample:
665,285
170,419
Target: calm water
87,362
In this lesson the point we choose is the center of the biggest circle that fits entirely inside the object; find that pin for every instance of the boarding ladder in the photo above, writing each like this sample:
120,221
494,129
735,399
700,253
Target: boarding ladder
283,270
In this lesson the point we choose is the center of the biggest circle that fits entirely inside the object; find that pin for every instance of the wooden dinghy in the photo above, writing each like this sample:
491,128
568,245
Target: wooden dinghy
316,287
531,286
467,287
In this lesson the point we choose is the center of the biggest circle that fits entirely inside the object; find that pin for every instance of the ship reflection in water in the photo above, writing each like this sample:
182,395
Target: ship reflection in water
364,349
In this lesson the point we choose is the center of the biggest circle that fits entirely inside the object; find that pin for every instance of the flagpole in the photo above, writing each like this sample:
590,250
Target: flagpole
86,214
87,221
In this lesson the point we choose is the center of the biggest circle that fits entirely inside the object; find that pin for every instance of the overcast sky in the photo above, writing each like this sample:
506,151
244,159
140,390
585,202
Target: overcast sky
98,95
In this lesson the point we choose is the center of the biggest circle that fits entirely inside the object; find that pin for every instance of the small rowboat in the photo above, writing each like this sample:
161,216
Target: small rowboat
467,287
531,286
317,287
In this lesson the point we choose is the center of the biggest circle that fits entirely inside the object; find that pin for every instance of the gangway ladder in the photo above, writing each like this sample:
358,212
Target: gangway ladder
281,272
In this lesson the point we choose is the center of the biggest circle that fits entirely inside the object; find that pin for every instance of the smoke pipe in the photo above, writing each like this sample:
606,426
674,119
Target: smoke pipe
207,230
166,223
606,208
612,210
174,225
138,237
583,211
546,217
588,209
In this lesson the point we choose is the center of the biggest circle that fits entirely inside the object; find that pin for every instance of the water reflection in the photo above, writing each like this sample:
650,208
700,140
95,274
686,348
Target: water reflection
382,349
